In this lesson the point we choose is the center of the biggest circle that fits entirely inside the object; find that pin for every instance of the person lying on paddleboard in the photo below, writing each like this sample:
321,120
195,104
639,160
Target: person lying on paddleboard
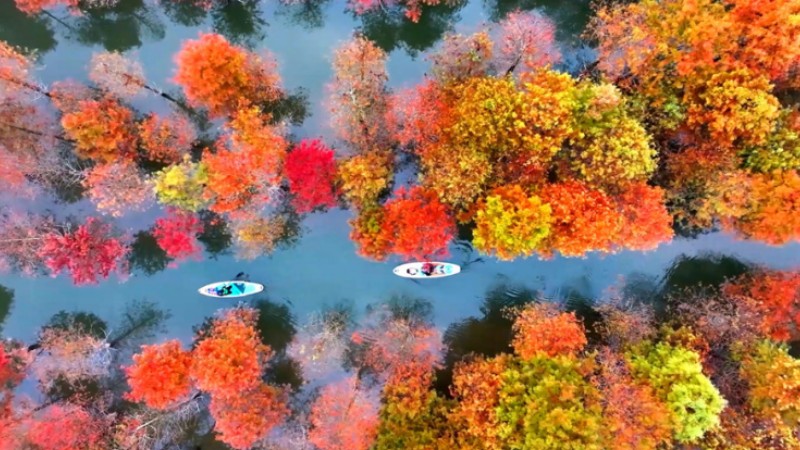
427,269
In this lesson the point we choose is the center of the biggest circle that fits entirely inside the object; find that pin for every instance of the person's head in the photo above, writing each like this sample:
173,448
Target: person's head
411,271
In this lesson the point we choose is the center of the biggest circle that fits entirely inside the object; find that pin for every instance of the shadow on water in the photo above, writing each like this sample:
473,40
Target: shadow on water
30,32
118,28
391,29
487,335
703,273
145,255
6,300
216,236
241,22
307,14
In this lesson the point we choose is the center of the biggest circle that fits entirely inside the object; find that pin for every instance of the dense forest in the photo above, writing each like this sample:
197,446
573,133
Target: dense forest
688,122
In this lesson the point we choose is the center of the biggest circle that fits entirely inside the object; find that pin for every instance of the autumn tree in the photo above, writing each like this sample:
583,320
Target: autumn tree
159,375
541,398
416,224
259,236
222,77
117,188
229,358
177,234
676,376
476,386
584,219
344,416
245,417
646,222
773,377
89,253
774,297
541,329
311,171
366,232
320,344
735,108
510,223
102,130
359,99
365,177
73,351
122,75
459,177
182,185
634,418
612,147
21,236
244,169
412,9
166,138
771,205
66,427
526,42
459,58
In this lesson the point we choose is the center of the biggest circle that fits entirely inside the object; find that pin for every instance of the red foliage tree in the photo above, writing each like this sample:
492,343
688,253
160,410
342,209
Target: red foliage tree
311,170
344,417
584,219
248,416
646,221
177,234
772,295
66,427
542,329
230,358
88,253
417,225
159,375
222,77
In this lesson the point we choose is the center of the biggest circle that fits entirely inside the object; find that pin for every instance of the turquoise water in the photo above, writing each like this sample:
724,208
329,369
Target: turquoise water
321,266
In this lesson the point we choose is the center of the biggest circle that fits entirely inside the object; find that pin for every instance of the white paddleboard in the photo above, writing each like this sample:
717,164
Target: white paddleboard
414,270
231,289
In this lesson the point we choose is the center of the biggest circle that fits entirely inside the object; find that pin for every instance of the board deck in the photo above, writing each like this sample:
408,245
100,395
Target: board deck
237,289
414,270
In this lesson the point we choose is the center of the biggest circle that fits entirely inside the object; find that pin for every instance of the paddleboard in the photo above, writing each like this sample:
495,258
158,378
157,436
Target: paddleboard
231,289
414,270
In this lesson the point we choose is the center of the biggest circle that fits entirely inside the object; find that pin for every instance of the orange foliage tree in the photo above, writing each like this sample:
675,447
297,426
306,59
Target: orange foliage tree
541,329
245,417
344,417
416,224
584,219
772,295
222,77
229,358
476,386
243,170
646,223
772,207
166,138
102,130
159,375
634,418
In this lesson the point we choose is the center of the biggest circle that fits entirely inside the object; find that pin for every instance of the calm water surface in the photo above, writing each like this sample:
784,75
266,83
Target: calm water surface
321,267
